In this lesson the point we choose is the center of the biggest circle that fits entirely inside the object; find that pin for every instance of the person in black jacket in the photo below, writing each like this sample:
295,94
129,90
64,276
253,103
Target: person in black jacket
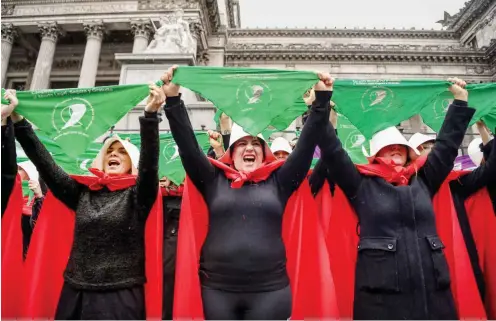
461,189
401,270
243,259
105,273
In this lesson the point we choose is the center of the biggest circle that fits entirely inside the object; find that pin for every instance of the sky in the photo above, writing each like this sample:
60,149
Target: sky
346,13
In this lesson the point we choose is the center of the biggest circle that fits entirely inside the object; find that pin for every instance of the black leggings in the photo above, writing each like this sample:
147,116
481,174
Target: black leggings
125,304
223,305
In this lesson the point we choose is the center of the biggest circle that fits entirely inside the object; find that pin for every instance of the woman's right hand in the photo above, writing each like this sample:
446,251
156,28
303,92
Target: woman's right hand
214,139
170,89
326,82
458,89
7,110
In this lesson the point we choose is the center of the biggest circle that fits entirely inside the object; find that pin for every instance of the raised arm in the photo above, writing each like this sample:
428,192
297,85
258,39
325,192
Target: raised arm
320,172
195,162
481,177
440,161
147,182
59,182
296,167
9,163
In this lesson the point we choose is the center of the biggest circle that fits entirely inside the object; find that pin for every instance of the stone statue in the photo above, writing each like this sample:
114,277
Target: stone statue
173,36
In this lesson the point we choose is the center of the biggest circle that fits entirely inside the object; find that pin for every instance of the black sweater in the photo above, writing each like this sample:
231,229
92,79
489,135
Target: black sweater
243,250
108,249
9,162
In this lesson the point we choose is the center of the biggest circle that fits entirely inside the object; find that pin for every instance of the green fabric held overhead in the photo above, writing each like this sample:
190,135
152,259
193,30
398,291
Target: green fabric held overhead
170,164
253,98
26,191
482,97
374,105
74,118
490,121
351,139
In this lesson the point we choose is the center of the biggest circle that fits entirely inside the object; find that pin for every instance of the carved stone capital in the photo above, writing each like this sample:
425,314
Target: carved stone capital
202,57
141,28
94,29
196,29
8,9
49,30
9,32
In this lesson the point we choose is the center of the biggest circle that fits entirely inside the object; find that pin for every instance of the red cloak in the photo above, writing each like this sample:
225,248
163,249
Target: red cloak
340,225
308,267
12,265
51,245
482,221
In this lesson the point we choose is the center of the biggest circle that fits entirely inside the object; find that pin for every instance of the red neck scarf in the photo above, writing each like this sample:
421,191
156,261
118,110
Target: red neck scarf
167,191
312,284
392,173
101,180
239,178
51,245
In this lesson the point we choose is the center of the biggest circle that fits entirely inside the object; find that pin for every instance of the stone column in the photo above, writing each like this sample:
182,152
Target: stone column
141,30
8,36
41,76
89,68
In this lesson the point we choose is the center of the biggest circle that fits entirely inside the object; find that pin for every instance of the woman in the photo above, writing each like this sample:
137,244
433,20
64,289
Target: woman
477,223
243,259
105,274
401,270
281,148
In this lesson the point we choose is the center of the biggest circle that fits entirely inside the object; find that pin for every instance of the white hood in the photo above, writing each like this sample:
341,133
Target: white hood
386,137
418,139
280,144
237,133
30,169
131,149
474,151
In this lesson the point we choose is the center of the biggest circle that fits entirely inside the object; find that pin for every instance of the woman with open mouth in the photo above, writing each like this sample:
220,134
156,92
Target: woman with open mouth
242,268
105,271
401,269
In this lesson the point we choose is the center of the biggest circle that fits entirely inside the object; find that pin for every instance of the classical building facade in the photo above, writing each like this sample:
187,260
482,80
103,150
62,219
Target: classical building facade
73,43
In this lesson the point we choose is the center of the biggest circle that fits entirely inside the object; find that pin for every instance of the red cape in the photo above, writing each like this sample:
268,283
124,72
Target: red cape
50,249
307,258
483,226
340,225
12,265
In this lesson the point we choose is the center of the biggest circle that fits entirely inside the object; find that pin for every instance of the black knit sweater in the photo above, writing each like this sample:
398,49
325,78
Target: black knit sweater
108,248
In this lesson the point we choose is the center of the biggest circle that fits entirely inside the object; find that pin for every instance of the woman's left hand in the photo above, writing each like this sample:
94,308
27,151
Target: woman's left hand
155,100
36,188
10,94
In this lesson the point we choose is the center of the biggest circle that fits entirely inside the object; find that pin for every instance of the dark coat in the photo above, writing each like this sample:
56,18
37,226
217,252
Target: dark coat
401,270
